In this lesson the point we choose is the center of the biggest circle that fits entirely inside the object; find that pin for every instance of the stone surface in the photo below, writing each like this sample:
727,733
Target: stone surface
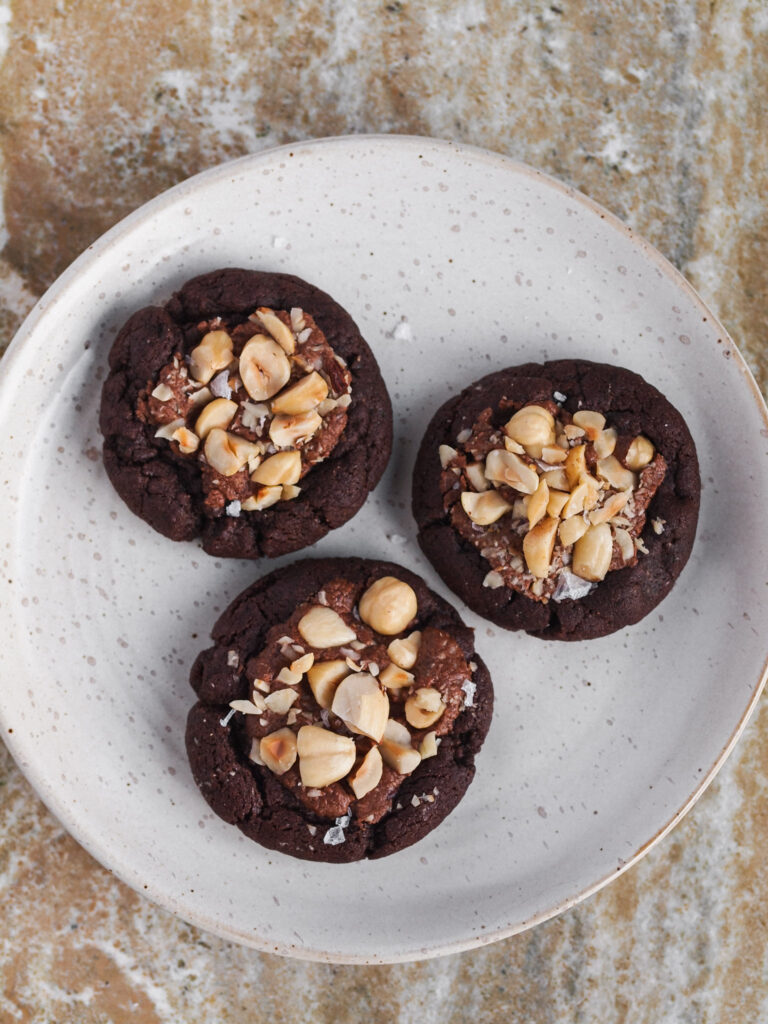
655,109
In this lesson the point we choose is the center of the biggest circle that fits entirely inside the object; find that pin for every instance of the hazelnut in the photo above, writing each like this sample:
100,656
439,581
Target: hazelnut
324,756
186,440
484,508
553,455
428,746
513,446
424,707
218,414
611,470
639,454
162,393
362,705
282,468
282,334
592,553
321,627
611,508
388,605
583,496
605,443
396,749
304,395
626,544
395,678
288,676
404,652
214,353
590,422
505,467
475,472
228,453
533,427
169,429
264,368
557,500
571,529
278,751
368,774
538,545
303,664
557,480
537,506
288,431
447,454
290,491
265,497
323,678
576,464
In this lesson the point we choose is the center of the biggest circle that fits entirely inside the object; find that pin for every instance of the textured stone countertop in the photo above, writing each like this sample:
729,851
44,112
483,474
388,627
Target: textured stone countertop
657,110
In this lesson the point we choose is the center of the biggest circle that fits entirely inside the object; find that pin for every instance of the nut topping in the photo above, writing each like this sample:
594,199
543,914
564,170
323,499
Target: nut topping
396,749
324,677
187,441
265,497
639,454
288,431
361,705
505,467
321,627
424,707
388,605
228,453
214,353
278,751
304,395
395,678
592,553
218,414
484,508
368,774
533,427
264,368
405,651
538,545
324,756
282,468
282,334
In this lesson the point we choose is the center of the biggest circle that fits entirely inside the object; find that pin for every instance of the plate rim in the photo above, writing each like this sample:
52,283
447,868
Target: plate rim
108,858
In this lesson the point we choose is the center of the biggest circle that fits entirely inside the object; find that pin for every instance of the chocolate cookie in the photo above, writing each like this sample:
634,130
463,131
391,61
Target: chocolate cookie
339,711
559,498
248,410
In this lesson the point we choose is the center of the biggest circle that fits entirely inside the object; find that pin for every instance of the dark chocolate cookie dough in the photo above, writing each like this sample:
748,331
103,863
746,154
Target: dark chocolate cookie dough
248,410
339,711
600,545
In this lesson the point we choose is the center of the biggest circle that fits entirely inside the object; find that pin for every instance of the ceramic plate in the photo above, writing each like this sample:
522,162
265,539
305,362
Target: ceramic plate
454,262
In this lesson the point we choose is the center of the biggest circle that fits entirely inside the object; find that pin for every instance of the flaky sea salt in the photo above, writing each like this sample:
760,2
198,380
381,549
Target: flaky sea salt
559,396
334,836
233,659
571,587
220,385
470,689
233,509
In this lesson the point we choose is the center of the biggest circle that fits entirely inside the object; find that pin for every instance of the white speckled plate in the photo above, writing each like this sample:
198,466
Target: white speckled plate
596,749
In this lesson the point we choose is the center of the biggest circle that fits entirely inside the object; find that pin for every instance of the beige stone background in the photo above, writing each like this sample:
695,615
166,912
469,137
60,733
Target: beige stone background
657,110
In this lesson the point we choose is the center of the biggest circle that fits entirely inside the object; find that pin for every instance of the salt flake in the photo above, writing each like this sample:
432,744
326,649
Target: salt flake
233,509
220,385
334,836
571,587
470,689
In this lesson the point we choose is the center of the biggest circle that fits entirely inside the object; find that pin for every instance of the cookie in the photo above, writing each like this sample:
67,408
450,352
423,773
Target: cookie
558,498
248,410
339,711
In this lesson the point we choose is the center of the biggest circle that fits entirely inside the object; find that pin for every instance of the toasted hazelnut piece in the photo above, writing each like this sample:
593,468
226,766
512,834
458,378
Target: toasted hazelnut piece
505,467
605,442
303,664
282,334
424,707
162,393
513,446
368,774
304,395
288,676
218,414
572,432
280,701
611,469
362,705
395,678
323,678
187,441
639,453
282,468
537,506
324,756
446,454
278,750
557,480
388,605
611,508
576,464
592,553
264,368
290,491
591,422
532,426
214,353
254,754
396,749
169,429
265,497
484,508
626,544
321,627
227,453
583,496
199,398
571,529
557,500
428,746
288,431
404,652
553,455
538,545
476,475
